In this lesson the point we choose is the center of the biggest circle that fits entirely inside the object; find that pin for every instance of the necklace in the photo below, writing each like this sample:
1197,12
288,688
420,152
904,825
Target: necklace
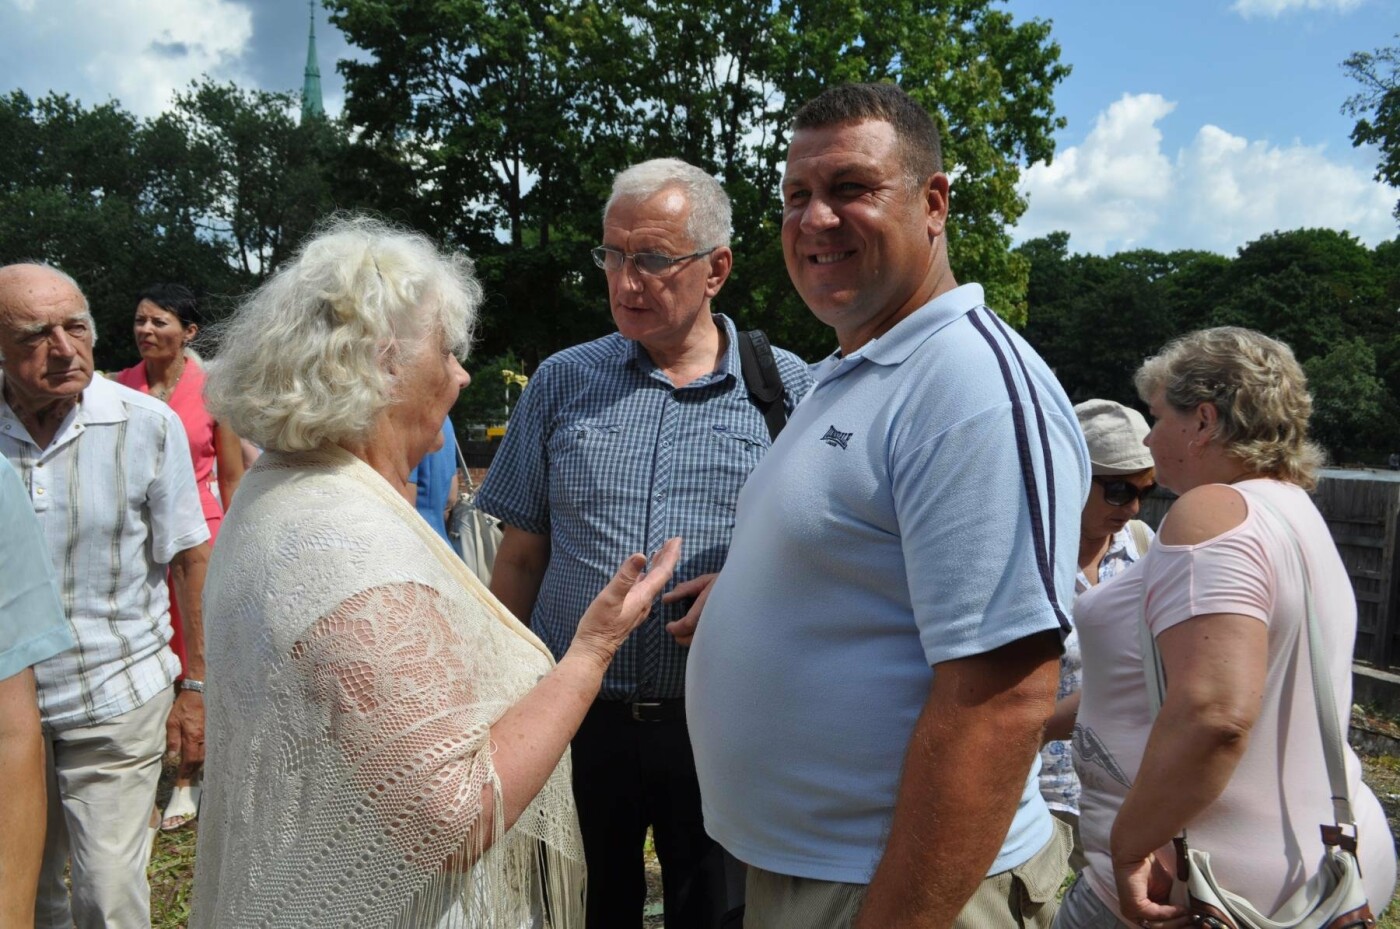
162,392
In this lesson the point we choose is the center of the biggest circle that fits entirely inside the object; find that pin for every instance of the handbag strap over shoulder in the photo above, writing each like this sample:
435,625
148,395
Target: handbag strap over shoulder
1322,686
466,472
1138,530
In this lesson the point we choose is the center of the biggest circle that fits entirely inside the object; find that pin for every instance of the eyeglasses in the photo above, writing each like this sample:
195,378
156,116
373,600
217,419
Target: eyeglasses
611,259
1118,492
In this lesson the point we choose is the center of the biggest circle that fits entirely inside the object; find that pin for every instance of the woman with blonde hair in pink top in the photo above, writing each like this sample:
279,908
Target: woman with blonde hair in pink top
1235,753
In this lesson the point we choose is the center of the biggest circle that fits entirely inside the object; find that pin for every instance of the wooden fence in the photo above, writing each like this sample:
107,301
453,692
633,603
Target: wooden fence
1362,509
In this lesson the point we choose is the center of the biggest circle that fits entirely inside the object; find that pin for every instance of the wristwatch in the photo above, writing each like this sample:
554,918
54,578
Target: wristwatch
190,683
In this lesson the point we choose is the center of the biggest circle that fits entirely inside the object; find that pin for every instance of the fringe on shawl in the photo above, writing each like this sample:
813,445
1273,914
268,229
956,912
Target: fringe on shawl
519,882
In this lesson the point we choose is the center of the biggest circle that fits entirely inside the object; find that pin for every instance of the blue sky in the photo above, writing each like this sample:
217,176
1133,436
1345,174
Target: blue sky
1191,123
1205,123
1261,76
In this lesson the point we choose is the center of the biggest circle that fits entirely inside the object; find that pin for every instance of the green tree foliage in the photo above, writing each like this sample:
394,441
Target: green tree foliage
1091,317
1386,260
94,193
1095,319
266,178
1352,410
493,109
213,193
1377,108
490,396
515,116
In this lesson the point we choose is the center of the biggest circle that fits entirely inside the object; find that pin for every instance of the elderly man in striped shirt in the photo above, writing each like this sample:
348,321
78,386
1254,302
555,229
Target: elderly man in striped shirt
108,473
615,446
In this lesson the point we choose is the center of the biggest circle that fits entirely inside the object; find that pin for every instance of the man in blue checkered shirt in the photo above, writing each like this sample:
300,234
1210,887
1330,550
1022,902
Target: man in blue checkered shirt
615,446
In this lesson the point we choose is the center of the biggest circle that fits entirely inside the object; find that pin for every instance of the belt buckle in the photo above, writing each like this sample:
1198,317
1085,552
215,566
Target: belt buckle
639,714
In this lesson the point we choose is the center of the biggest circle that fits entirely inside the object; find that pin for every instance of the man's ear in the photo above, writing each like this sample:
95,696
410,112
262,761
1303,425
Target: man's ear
721,263
934,194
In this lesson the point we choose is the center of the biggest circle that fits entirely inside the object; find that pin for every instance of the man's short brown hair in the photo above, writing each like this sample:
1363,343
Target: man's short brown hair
853,103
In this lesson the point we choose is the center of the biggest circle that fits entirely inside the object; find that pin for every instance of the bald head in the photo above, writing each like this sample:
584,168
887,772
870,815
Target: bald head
33,280
46,335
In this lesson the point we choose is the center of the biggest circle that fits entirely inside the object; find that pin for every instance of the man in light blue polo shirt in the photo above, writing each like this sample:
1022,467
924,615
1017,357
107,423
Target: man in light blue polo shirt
875,662
32,629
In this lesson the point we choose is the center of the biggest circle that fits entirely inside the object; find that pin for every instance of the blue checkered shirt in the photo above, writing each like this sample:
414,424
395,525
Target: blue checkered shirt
606,457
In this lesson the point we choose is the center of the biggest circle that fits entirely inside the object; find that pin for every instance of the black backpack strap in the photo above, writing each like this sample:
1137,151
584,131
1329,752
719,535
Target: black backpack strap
761,377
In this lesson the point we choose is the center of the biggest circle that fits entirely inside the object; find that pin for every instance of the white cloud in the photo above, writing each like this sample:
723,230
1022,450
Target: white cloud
138,51
1119,173
1276,8
1118,189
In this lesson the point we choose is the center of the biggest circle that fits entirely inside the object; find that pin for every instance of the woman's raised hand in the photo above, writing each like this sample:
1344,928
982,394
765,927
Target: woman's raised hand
626,602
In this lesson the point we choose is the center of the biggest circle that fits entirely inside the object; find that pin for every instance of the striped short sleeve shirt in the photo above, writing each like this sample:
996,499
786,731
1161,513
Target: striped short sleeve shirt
607,457
115,496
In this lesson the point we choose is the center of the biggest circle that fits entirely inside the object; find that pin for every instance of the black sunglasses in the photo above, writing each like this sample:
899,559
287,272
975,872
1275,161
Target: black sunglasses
1118,492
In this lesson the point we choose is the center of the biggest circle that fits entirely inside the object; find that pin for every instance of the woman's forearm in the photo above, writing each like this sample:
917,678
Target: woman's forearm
1191,755
1215,667
22,809
531,737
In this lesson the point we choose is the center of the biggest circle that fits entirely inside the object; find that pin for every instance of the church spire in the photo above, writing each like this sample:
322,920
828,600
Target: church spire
311,85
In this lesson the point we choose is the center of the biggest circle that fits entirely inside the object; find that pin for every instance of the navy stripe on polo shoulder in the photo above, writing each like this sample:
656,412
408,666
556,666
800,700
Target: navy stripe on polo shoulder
1044,546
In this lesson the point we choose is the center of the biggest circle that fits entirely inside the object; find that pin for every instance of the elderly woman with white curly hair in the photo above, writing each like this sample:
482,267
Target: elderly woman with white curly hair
1242,570
387,743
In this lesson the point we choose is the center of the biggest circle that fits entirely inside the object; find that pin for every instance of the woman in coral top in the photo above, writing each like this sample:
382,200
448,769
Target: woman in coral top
167,320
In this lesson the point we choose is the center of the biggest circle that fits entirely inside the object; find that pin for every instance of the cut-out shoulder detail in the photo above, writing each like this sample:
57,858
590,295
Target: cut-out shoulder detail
1204,513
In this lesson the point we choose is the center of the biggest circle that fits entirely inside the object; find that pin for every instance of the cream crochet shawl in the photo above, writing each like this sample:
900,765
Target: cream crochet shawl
355,667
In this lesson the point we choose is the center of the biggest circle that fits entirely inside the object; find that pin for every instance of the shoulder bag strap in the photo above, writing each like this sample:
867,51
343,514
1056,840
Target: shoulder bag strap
762,378
1322,686
466,472
1138,530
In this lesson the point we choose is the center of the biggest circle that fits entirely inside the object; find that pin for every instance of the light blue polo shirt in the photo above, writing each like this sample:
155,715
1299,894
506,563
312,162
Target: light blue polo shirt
32,625
887,530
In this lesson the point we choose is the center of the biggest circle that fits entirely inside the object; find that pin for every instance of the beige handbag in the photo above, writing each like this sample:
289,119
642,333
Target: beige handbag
475,535
1334,898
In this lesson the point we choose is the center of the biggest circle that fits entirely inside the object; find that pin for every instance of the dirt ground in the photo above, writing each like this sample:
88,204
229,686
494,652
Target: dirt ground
1382,773
653,917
